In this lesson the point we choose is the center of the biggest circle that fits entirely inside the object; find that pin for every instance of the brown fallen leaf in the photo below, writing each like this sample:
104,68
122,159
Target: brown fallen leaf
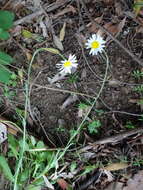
136,183
140,18
58,43
62,32
108,2
116,166
139,29
28,55
11,127
115,28
68,9
81,39
121,25
14,5
21,75
133,101
92,26
118,8
112,28
62,183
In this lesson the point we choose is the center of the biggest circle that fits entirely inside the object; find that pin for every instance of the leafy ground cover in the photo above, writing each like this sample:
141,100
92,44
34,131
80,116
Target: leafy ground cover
81,128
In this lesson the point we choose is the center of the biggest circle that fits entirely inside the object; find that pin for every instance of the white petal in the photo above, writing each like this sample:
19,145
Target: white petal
64,61
75,65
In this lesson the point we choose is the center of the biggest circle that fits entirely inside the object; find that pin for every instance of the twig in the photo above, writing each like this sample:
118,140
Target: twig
25,50
6,5
118,137
48,9
84,95
123,112
111,36
63,91
28,17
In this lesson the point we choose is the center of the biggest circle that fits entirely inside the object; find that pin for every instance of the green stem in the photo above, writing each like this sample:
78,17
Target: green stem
95,100
51,50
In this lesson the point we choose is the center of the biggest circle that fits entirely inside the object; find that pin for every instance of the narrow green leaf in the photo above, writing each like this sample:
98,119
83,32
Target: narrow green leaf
33,140
24,175
6,169
138,5
32,187
6,19
40,144
13,145
5,59
52,50
4,75
26,145
38,182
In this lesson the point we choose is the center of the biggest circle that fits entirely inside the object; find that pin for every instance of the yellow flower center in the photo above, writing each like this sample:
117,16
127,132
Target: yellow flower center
67,64
95,45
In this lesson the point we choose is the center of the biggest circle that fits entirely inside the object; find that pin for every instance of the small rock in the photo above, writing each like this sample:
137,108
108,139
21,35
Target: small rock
53,118
114,83
61,122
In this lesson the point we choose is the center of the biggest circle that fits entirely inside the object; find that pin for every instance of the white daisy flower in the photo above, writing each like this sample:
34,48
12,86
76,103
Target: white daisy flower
67,65
96,44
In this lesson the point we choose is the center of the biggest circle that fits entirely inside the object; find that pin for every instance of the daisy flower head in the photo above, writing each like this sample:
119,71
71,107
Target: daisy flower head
66,66
96,44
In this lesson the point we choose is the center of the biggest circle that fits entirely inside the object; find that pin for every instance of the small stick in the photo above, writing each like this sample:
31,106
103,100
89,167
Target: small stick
113,139
28,17
118,137
48,9
6,5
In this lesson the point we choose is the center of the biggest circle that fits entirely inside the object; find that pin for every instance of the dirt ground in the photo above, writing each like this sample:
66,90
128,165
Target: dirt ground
118,100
